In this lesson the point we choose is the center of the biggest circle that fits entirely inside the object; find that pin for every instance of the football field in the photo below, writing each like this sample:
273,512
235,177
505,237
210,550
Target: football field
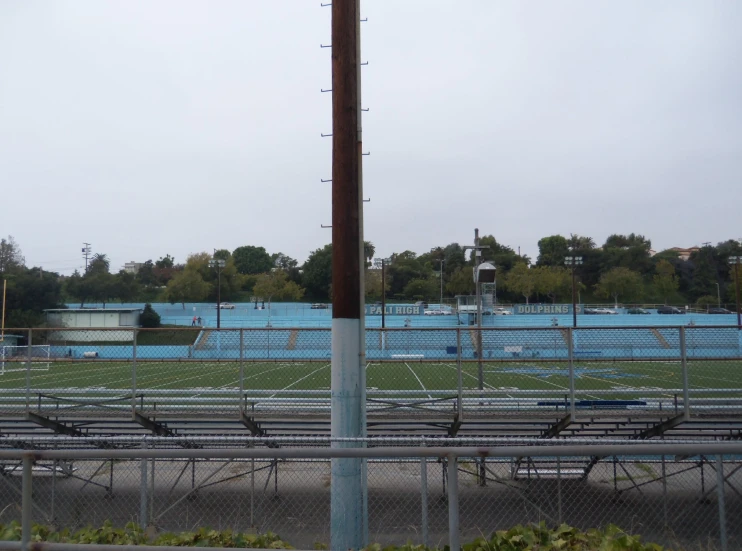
403,376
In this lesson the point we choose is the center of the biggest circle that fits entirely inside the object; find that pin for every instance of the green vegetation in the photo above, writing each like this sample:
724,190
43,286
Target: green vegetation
132,534
149,318
623,269
520,538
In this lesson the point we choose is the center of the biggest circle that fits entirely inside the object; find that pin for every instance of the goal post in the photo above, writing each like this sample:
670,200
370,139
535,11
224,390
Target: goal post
15,358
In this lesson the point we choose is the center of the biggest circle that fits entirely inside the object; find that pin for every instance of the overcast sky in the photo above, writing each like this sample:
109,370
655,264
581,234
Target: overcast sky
154,127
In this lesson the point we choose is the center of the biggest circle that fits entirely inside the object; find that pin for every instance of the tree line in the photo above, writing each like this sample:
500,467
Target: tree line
623,269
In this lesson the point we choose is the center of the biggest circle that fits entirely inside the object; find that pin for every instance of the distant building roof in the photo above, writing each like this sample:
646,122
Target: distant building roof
76,310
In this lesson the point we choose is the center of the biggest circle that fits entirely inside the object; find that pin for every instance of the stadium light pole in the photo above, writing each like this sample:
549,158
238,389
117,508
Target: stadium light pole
735,260
573,261
718,296
218,263
442,262
381,264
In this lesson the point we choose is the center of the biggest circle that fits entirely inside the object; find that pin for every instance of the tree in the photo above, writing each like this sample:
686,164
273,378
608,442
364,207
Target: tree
74,287
317,274
706,301
126,286
30,291
149,318
187,286
252,260
619,282
287,264
11,257
552,250
368,252
166,261
231,281
578,243
521,280
502,256
403,268
373,284
146,274
461,281
628,251
705,272
553,281
666,283
421,289
222,254
276,284
99,263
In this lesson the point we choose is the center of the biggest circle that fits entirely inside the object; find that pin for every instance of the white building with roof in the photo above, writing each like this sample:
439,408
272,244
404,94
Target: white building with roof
72,323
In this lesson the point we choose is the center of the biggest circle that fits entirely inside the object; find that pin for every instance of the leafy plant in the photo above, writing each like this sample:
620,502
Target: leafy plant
132,534
149,318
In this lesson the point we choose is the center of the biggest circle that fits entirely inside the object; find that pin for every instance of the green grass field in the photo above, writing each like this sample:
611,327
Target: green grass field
546,376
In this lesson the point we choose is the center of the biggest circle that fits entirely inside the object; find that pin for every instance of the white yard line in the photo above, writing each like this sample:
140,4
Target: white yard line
475,378
418,379
300,380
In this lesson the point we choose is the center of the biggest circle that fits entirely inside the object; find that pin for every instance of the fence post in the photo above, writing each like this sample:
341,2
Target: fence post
571,364
722,505
664,494
242,370
559,489
424,496
28,369
143,489
684,371
134,371
453,503
460,382
27,501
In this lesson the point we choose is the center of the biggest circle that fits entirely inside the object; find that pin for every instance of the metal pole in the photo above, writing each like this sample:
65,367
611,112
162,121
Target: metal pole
347,502
28,369
559,490
664,492
252,491
736,285
718,295
453,504
477,257
242,370
440,306
218,295
574,296
134,371
54,489
383,296
424,497
26,503
143,489
722,506
460,382
571,364
2,316
153,462
684,371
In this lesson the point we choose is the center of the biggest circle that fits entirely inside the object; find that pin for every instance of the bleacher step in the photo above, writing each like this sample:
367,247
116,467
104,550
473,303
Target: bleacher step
662,340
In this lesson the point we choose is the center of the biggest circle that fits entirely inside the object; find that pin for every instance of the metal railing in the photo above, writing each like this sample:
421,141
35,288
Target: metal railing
660,490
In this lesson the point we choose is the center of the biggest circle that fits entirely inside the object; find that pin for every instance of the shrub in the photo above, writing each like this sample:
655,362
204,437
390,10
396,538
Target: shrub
149,317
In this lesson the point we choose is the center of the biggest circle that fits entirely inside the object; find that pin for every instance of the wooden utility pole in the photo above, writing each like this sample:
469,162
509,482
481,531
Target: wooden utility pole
347,502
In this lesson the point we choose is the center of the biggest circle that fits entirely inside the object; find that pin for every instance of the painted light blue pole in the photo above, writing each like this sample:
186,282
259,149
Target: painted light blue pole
347,501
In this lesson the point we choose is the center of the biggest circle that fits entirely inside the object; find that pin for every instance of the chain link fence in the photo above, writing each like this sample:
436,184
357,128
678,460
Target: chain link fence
683,495
414,372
